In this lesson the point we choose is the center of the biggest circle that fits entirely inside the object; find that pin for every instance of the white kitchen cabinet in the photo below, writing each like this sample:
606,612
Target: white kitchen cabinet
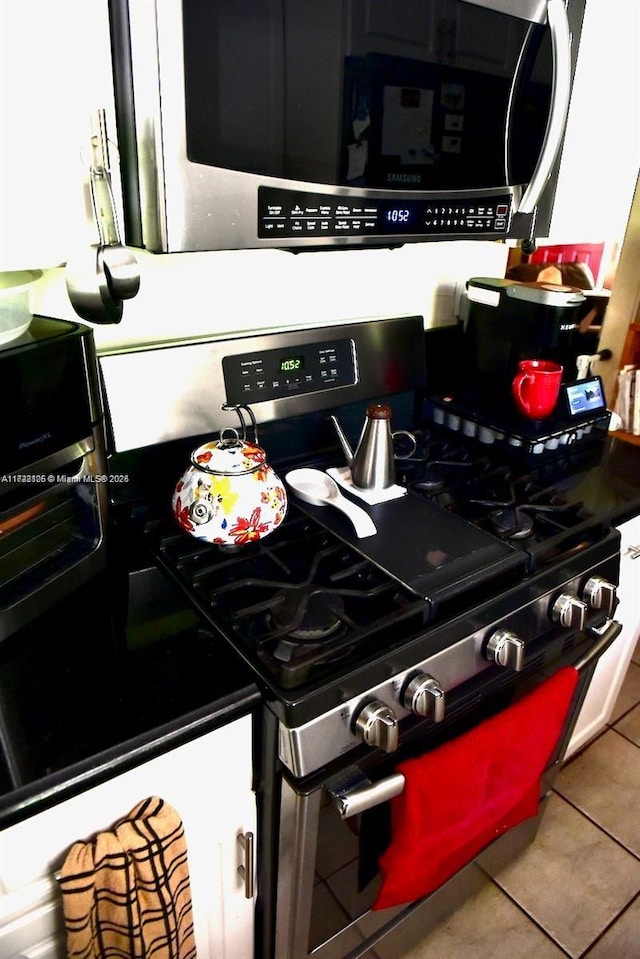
434,30
56,73
610,672
208,781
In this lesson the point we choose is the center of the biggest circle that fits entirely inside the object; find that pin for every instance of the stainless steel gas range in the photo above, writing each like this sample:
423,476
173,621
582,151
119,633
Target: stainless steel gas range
485,580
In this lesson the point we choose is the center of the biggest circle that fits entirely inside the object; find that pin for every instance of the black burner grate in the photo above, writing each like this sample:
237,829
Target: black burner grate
526,509
299,601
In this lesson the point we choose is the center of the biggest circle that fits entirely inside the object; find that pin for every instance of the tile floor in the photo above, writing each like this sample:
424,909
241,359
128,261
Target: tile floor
575,892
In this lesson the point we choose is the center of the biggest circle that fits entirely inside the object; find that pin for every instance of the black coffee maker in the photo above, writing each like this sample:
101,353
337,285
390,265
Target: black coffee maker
508,321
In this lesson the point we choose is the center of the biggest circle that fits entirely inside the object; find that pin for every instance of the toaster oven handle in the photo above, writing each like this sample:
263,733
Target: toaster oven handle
357,793
605,635
560,95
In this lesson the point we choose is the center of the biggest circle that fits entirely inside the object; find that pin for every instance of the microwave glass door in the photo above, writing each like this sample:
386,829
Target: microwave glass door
439,95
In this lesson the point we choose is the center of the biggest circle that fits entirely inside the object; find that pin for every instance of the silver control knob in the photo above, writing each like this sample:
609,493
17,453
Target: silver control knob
376,725
424,696
505,648
570,612
599,593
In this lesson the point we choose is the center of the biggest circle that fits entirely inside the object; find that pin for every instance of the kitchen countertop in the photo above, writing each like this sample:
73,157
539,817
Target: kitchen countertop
123,755
611,487
182,686
176,681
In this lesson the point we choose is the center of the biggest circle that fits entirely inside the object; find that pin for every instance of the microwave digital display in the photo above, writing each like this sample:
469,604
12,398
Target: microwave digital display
398,216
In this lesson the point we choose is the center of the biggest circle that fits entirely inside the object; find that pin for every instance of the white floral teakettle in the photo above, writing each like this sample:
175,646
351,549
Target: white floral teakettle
229,495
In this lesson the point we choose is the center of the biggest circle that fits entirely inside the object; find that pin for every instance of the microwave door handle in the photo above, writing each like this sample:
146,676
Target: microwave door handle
560,94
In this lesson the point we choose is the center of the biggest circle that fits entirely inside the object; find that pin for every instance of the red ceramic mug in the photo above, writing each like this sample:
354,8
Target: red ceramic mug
535,388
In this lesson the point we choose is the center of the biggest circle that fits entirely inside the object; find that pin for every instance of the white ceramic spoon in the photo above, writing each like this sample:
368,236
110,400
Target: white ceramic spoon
319,489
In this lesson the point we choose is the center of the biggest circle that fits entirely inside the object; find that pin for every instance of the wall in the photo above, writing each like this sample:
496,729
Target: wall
196,294
55,71
624,305
601,154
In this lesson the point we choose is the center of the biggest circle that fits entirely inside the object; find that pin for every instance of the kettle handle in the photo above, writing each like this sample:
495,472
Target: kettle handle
239,407
413,444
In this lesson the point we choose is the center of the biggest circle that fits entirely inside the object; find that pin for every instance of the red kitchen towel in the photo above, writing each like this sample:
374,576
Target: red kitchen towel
464,794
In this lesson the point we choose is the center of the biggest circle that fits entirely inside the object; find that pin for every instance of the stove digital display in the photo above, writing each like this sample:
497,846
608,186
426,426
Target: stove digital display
291,364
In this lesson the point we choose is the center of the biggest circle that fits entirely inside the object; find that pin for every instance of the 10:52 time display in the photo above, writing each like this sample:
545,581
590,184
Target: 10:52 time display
291,364
398,215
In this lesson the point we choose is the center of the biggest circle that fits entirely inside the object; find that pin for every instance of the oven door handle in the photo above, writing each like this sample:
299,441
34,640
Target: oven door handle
605,635
357,793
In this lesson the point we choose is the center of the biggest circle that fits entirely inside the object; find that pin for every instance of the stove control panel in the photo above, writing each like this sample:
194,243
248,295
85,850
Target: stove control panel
275,374
376,716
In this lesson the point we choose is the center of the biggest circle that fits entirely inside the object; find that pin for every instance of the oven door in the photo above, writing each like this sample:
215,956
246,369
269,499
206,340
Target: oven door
335,825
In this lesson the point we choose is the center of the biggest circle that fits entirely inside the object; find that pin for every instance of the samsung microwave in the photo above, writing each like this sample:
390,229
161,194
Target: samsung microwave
304,124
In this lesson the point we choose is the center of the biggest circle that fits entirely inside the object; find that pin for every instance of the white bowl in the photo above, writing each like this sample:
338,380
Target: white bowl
15,307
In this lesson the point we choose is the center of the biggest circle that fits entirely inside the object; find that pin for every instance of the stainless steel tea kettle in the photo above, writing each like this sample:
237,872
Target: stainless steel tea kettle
372,464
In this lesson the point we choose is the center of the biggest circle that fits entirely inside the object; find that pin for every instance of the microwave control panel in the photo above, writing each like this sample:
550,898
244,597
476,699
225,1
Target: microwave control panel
276,374
289,213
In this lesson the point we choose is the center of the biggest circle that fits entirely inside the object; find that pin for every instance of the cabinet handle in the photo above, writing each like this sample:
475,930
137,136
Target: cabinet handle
633,552
246,867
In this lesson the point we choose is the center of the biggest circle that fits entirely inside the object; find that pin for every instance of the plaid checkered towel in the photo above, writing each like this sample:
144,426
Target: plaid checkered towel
126,892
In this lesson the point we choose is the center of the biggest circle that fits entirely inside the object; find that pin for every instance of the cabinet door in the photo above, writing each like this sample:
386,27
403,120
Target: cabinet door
208,782
56,73
610,672
31,923
444,30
